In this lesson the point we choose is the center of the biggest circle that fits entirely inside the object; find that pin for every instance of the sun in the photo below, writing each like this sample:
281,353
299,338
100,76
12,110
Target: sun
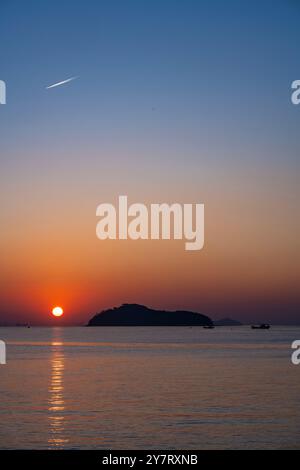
57,311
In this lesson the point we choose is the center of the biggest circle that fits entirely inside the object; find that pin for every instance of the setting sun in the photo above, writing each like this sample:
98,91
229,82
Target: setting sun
57,311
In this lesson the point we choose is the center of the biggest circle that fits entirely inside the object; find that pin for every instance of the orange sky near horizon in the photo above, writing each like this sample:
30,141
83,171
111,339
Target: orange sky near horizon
247,264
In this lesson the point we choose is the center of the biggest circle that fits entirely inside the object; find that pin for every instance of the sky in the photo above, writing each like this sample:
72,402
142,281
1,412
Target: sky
175,101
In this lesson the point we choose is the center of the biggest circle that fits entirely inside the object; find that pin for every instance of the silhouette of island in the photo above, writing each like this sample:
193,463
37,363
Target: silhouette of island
139,315
227,322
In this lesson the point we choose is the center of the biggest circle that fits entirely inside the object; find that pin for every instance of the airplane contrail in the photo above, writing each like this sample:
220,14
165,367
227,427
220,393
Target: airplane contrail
61,83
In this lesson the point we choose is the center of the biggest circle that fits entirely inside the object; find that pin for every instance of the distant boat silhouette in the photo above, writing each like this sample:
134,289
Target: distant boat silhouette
208,327
263,326
23,325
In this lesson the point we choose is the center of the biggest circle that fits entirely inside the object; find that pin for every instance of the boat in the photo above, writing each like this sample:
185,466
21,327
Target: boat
208,327
263,326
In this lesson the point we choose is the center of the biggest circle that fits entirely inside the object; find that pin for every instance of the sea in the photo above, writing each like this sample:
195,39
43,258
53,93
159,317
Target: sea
149,388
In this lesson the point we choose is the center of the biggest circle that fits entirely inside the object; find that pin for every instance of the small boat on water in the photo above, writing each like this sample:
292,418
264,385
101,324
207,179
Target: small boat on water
263,326
208,327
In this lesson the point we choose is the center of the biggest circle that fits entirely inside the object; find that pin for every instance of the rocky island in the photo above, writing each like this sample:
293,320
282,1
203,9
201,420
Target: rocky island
139,315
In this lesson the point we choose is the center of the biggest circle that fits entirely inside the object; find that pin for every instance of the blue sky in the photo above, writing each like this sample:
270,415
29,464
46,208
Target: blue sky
201,65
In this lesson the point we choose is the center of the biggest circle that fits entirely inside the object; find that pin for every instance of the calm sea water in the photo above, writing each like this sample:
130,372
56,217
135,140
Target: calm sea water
163,388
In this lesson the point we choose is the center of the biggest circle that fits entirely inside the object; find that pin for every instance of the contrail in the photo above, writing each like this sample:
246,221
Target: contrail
61,83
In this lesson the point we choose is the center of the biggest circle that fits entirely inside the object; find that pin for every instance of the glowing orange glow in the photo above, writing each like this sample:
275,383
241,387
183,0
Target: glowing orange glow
57,311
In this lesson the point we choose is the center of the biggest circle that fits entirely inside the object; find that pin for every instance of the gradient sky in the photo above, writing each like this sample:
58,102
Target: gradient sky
176,101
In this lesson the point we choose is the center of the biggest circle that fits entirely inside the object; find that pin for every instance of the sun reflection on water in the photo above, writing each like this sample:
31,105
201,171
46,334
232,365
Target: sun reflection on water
56,400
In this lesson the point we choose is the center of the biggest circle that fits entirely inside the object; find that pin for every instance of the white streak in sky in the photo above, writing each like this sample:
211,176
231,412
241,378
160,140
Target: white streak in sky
61,83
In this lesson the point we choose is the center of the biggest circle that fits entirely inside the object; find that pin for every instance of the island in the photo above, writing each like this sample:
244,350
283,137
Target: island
140,315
